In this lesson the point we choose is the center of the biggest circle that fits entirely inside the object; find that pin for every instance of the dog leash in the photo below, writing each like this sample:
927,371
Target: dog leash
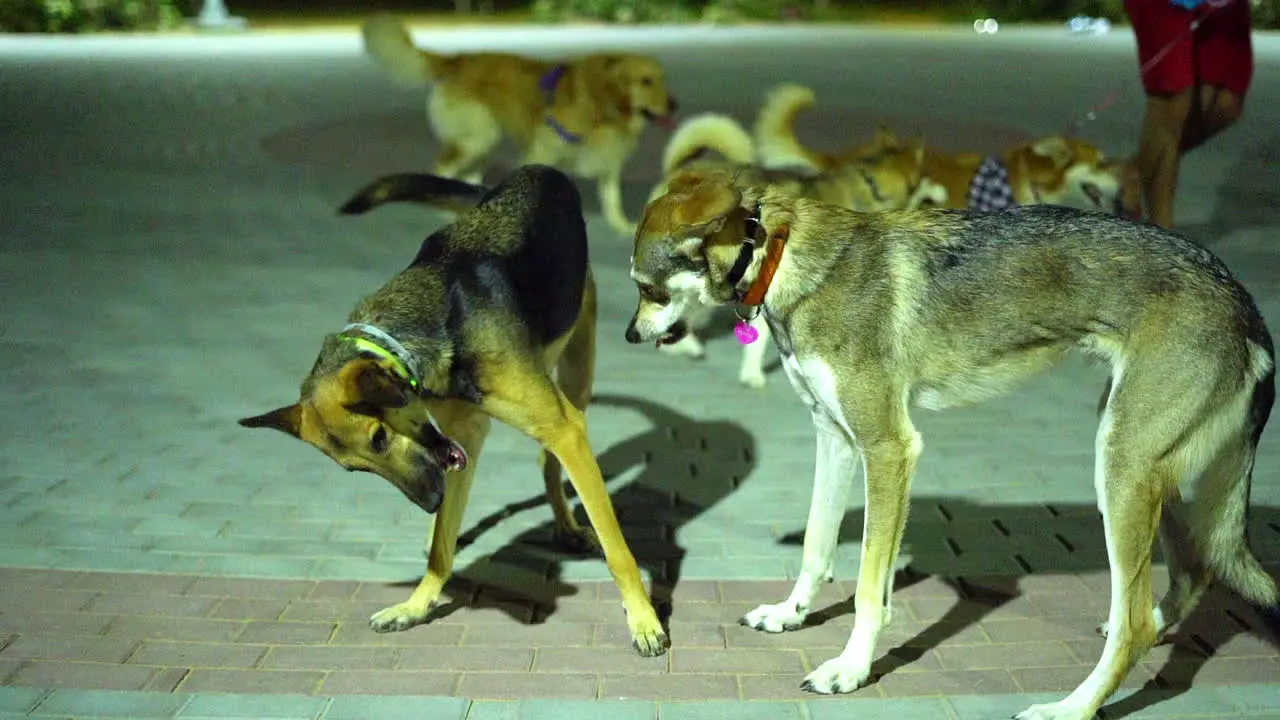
547,84
1111,98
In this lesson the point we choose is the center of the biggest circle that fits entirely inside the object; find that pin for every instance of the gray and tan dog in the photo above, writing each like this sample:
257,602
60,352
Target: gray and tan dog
494,318
875,313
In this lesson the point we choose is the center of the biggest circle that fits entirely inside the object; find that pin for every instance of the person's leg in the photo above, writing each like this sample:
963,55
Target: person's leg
1224,69
1159,151
1213,110
1167,71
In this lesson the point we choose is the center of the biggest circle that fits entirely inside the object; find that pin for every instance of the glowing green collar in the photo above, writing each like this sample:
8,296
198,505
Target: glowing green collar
403,361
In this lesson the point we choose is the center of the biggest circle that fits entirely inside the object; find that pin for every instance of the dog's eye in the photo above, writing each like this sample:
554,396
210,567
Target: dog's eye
380,440
646,81
653,294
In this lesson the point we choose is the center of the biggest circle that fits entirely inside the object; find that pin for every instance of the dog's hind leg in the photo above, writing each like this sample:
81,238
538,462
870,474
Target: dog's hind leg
834,470
1139,460
468,426
467,132
575,374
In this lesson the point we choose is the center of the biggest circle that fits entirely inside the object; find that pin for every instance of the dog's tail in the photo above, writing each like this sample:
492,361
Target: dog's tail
432,190
706,132
1225,505
775,131
388,42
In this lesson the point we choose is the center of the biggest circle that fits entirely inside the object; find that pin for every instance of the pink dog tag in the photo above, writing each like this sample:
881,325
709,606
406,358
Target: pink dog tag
745,333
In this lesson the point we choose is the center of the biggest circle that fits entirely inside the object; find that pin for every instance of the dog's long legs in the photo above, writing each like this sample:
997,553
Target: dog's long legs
610,185
888,466
1131,488
575,374
468,427
527,399
833,479
890,448
751,373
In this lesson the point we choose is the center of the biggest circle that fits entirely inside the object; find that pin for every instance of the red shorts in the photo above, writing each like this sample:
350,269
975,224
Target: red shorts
1219,53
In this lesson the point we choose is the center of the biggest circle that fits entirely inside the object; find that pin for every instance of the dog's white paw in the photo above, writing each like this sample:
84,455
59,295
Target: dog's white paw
752,378
774,618
398,618
841,674
1054,711
687,346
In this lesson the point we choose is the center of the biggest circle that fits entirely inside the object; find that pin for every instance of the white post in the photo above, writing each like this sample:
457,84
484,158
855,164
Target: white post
214,16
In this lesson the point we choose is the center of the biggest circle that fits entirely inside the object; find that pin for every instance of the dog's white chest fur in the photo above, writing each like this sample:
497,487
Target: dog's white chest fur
815,383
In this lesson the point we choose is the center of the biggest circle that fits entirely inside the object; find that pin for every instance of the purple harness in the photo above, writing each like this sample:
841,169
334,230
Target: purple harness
547,84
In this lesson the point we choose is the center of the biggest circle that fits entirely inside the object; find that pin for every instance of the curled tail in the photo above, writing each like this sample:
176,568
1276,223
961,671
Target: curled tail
421,188
775,132
708,131
388,42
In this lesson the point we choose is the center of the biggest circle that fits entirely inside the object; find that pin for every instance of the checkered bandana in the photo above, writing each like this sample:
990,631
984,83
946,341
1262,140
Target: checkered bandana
990,190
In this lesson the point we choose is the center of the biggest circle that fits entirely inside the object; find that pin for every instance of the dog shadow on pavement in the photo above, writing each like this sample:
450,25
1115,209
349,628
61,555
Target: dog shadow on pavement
686,467
985,552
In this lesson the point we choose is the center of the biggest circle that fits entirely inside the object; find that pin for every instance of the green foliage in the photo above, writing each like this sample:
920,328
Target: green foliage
79,16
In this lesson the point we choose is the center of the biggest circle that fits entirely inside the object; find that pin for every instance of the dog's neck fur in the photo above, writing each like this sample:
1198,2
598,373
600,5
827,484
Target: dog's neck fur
804,261
420,329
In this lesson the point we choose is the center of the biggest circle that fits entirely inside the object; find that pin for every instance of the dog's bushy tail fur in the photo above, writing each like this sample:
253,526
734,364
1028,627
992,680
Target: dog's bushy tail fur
388,42
708,131
433,190
775,132
1223,508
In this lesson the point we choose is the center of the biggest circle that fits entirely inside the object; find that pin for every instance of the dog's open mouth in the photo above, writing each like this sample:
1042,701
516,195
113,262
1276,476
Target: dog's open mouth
666,122
674,335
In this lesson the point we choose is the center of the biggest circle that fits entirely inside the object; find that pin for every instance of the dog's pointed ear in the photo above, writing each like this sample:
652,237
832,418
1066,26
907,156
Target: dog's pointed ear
368,386
287,419
884,138
1054,147
704,207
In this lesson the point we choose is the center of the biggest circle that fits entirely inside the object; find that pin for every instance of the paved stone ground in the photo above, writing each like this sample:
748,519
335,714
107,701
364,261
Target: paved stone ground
171,256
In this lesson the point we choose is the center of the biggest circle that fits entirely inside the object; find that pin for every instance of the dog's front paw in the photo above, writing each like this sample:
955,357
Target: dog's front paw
687,346
648,637
576,540
774,618
1055,711
399,618
752,378
838,675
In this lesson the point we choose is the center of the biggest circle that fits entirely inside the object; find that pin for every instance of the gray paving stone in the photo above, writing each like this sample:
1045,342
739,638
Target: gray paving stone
587,710
110,704
20,699
494,710
873,709
380,707
731,710
260,707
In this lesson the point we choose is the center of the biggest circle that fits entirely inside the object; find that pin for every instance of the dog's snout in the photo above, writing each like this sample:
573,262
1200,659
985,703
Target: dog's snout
633,335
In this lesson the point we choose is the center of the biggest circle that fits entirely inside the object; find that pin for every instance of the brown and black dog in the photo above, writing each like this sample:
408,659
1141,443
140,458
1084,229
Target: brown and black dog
494,318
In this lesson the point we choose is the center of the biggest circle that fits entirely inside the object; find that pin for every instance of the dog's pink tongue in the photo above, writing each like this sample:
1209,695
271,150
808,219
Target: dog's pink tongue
666,122
455,458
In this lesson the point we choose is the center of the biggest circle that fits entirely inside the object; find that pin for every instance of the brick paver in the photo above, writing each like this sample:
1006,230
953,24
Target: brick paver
175,257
